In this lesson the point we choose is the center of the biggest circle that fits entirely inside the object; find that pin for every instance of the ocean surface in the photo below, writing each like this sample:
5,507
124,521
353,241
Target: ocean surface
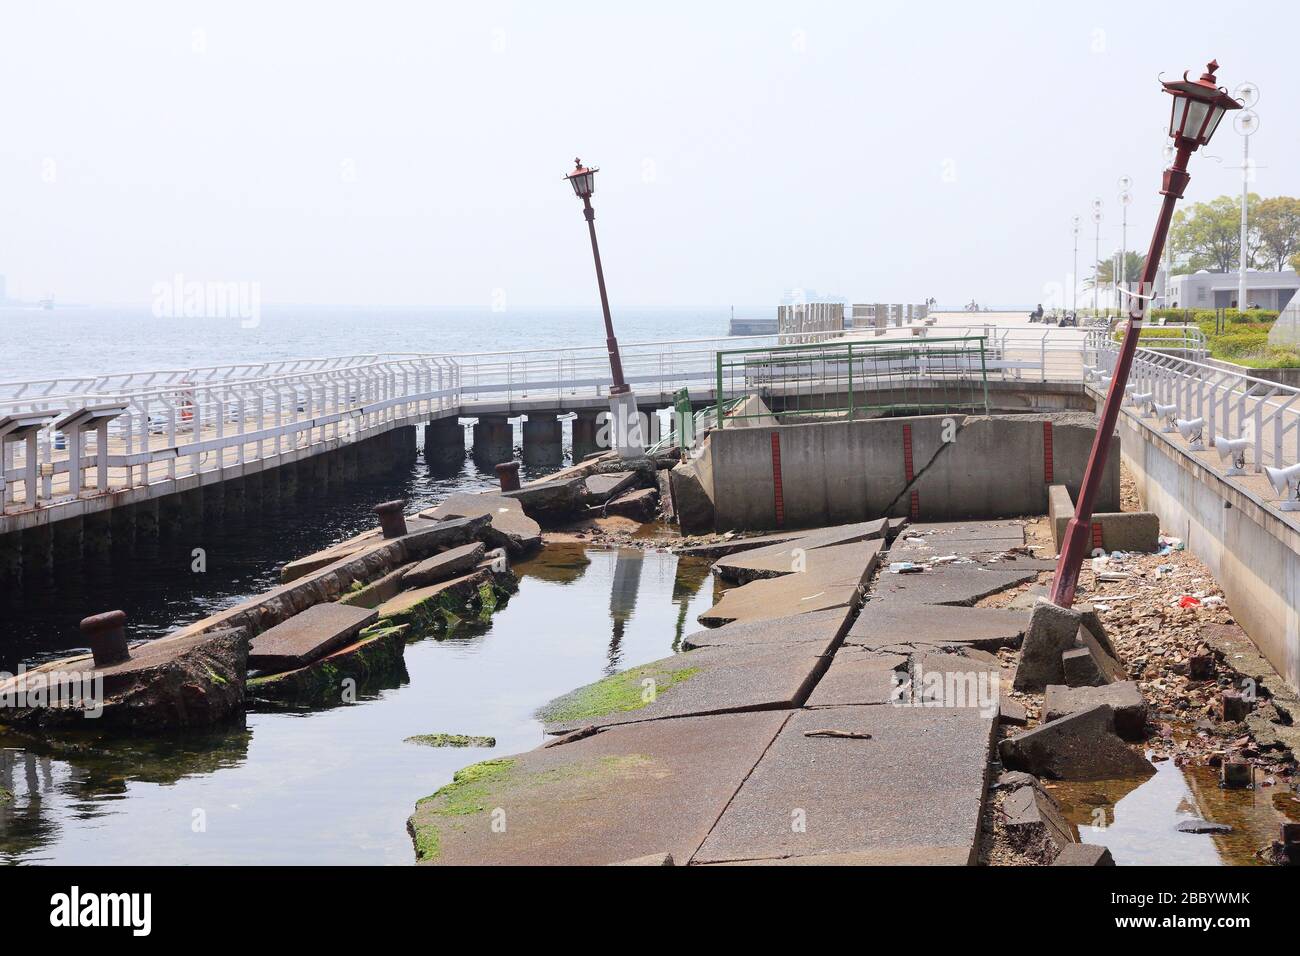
71,341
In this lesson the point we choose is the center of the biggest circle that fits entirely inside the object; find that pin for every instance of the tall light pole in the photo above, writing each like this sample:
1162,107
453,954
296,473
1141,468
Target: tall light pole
1198,106
1096,256
625,427
1246,122
1074,276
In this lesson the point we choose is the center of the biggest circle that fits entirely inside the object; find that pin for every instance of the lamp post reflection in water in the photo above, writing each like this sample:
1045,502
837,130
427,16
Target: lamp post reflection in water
628,564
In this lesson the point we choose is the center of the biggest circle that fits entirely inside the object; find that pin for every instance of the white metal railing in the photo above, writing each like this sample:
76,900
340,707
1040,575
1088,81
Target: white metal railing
1233,404
183,422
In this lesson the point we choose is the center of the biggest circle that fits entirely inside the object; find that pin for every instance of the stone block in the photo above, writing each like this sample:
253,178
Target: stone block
1123,697
1080,746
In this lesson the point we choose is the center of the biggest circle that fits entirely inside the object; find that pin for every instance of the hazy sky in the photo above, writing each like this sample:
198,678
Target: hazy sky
411,153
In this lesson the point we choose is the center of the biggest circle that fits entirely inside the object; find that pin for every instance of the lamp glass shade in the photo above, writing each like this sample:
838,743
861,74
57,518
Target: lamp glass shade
1194,120
1217,115
1176,111
584,182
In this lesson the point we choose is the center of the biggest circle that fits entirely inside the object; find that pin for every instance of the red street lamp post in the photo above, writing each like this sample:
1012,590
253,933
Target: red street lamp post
583,181
1198,106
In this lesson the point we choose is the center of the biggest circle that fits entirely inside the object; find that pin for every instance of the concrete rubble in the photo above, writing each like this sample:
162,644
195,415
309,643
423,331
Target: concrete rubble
1124,699
1079,746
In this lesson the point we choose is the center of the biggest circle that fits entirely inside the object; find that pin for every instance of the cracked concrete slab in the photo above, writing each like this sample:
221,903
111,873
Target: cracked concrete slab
821,586
627,792
915,788
956,585
901,627
860,676
710,680
818,629
791,558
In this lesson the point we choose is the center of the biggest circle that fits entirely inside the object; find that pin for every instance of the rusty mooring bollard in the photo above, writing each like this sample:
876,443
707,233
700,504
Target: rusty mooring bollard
1237,775
508,475
392,521
106,635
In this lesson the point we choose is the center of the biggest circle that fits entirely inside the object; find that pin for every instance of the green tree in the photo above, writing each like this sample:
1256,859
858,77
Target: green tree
1134,262
1278,222
1209,233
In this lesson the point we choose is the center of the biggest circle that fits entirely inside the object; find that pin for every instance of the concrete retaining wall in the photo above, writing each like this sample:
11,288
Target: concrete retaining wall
835,472
1251,549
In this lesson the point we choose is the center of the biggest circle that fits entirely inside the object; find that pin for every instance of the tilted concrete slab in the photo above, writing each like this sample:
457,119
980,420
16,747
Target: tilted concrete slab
626,792
297,568
818,629
426,536
902,627
776,560
710,680
860,676
379,590
956,585
725,546
601,488
819,587
509,527
448,564
420,605
310,634
915,787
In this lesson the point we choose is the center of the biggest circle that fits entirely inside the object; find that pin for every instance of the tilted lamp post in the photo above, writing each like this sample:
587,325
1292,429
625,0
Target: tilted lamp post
1198,106
625,430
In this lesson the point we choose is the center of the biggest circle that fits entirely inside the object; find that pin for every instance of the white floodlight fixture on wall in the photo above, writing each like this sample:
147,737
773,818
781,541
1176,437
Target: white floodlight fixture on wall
1287,483
1167,412
1143,400
1234,449
1191,429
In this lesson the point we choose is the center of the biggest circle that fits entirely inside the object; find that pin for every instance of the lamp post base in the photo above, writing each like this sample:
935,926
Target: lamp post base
624,425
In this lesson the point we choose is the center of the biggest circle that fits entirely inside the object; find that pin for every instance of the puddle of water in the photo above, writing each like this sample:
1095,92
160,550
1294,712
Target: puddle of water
336,785
1138,819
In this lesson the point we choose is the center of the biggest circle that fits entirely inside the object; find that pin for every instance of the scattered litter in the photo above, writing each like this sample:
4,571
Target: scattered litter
1169,545
847,734
905,567
1188,601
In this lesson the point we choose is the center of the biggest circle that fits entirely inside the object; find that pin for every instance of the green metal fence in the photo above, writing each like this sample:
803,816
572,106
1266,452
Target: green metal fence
916,376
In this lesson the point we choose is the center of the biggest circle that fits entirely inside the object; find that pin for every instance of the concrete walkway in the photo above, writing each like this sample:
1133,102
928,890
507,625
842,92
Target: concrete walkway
843,735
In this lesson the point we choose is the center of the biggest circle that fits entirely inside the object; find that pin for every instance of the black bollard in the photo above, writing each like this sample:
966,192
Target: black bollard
508,475
106,635
392,521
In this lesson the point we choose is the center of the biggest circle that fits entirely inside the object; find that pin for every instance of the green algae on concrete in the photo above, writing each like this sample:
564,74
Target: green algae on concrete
477,788
466,794
376,653
444,606
451,740
622,692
